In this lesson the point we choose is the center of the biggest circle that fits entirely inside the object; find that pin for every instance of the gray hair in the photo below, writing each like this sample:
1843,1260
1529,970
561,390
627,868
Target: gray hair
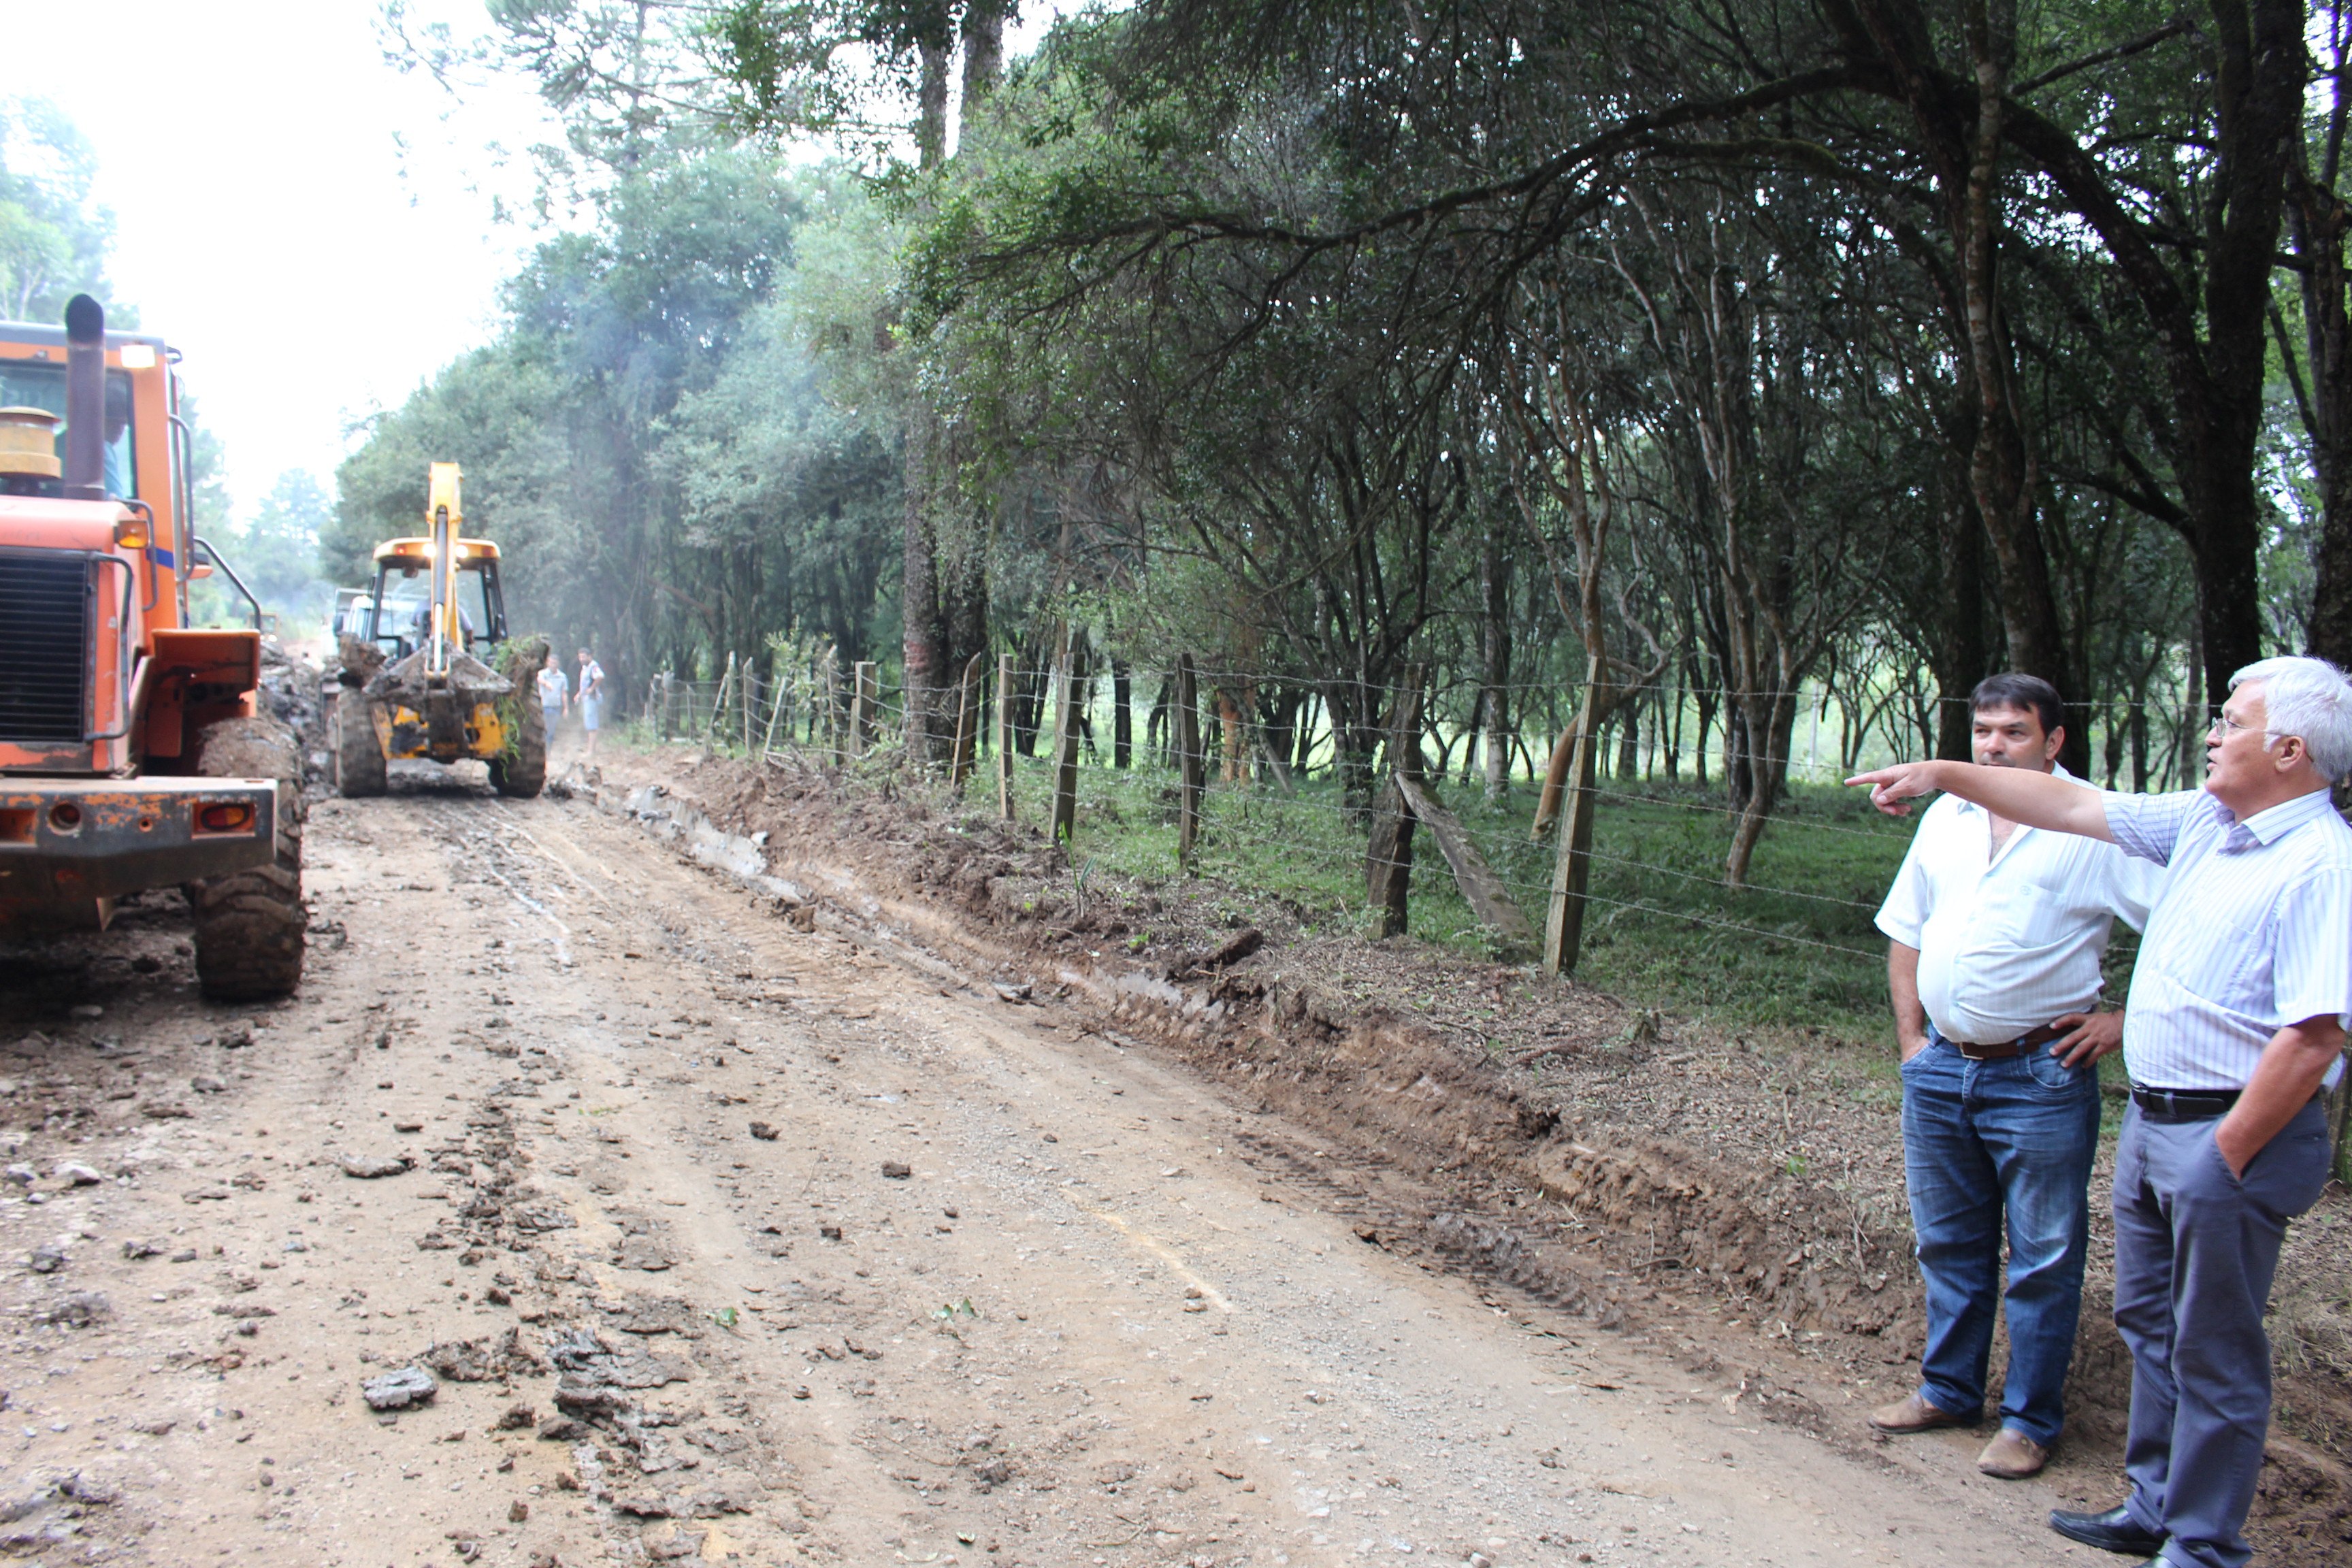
2311,700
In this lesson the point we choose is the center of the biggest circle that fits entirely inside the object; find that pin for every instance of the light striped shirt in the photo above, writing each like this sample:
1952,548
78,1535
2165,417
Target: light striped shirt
2252,932
2009,941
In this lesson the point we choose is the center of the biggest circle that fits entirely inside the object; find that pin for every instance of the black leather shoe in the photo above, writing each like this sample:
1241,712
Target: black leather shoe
2110,1531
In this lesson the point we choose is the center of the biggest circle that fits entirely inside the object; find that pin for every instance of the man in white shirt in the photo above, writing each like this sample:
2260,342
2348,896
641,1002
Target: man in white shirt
591,696
2239,1004
554,690
1995,934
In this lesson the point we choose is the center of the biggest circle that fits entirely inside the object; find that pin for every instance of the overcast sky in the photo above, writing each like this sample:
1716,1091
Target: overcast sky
312,228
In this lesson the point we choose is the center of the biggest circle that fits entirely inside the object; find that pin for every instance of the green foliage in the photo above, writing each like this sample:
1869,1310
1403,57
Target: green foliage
654,441
54,239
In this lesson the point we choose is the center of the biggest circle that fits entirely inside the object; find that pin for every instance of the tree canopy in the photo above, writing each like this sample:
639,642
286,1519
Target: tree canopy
1717,357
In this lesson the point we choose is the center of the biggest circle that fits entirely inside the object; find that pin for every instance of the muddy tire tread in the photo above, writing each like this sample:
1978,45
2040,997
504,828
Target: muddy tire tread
358,756
251,925
526,775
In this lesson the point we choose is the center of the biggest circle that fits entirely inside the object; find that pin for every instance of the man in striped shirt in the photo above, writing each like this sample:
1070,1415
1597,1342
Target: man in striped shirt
2238,1009
1994,934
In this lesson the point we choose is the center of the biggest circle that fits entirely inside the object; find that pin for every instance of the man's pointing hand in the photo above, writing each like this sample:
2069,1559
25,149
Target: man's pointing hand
1890,788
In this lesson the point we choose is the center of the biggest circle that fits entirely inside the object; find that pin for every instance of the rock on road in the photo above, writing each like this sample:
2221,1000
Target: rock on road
722,1240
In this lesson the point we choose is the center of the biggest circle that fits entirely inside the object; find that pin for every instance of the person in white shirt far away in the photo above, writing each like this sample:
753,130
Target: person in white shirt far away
591,696
554,690
1995,932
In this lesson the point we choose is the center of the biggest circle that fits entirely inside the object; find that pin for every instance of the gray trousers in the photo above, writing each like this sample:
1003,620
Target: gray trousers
2195,1250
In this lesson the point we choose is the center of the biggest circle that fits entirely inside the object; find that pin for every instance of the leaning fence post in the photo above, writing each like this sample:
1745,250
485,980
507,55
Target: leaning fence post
864,694
1065,744
781,682
747,694
1388,859
1571,871
719,704
967,731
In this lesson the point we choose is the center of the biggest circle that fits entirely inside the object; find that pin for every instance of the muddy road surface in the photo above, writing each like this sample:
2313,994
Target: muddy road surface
721,1240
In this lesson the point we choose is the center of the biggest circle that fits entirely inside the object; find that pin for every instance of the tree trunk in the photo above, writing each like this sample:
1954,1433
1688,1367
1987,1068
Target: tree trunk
1766,751
1494,649
2316,220
925,641
1961,656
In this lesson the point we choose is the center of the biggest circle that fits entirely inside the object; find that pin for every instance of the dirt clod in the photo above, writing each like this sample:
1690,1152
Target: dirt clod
399,1390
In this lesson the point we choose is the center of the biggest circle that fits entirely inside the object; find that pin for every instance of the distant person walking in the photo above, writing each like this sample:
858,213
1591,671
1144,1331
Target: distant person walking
554,690
2238,1009
591,700
1994,936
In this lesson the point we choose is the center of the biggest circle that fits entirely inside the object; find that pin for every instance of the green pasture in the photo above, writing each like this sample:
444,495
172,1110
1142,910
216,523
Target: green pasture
1796,948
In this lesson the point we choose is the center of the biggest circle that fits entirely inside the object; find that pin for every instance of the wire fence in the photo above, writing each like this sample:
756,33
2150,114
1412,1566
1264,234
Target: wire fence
1287,794
1289,778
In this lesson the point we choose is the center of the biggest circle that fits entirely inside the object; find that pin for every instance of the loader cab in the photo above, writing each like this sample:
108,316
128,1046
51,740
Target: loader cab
353,607
100,673
394,615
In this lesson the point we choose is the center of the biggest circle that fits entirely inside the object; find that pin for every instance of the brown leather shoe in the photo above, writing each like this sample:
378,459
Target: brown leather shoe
2013,1455
1914,1414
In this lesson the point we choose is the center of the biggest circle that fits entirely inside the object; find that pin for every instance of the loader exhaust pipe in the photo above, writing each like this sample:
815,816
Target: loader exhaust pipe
85,465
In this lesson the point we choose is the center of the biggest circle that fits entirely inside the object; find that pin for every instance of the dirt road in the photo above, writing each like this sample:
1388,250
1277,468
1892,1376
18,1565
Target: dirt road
733,1240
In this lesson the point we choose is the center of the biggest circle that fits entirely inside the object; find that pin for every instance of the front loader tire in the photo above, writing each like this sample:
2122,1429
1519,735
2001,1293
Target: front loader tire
524,775
358,754
249,925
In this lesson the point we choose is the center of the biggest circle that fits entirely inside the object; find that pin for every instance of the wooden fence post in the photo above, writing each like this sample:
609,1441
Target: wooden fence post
1571,871
1005,736
666,712
747,694
1388,859
867,694
781,683
719,704
832,741
1065,744
967,736
1187,762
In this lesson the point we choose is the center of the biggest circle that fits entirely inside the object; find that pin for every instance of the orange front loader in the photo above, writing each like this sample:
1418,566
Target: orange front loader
132,753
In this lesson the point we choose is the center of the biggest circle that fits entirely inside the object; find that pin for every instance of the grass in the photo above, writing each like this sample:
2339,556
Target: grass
1796,948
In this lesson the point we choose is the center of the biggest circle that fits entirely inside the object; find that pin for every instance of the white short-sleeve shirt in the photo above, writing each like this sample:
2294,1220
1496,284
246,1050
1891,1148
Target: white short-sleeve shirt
2009,940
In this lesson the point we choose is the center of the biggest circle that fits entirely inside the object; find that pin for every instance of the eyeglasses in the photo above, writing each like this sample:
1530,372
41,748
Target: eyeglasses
2226,725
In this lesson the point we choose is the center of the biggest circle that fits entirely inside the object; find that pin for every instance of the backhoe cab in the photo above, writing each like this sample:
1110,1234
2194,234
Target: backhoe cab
415,683
133,755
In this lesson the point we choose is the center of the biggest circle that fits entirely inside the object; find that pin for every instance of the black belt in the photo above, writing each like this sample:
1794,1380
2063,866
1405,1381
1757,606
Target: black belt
2183,1104
2025,1045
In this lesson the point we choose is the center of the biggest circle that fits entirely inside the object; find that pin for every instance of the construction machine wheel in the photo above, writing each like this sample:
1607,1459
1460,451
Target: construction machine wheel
249,925
358,754
524,775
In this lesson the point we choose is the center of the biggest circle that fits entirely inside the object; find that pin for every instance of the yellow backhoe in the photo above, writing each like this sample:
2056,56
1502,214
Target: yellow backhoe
416,681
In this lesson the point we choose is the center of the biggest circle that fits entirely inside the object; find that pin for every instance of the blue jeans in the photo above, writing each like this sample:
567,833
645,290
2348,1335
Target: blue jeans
1983,1141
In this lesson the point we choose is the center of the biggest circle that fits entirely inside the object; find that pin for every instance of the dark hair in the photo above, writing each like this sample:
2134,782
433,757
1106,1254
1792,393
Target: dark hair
2011,690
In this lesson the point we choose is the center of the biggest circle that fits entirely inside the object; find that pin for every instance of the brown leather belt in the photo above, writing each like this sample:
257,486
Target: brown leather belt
2025,1045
